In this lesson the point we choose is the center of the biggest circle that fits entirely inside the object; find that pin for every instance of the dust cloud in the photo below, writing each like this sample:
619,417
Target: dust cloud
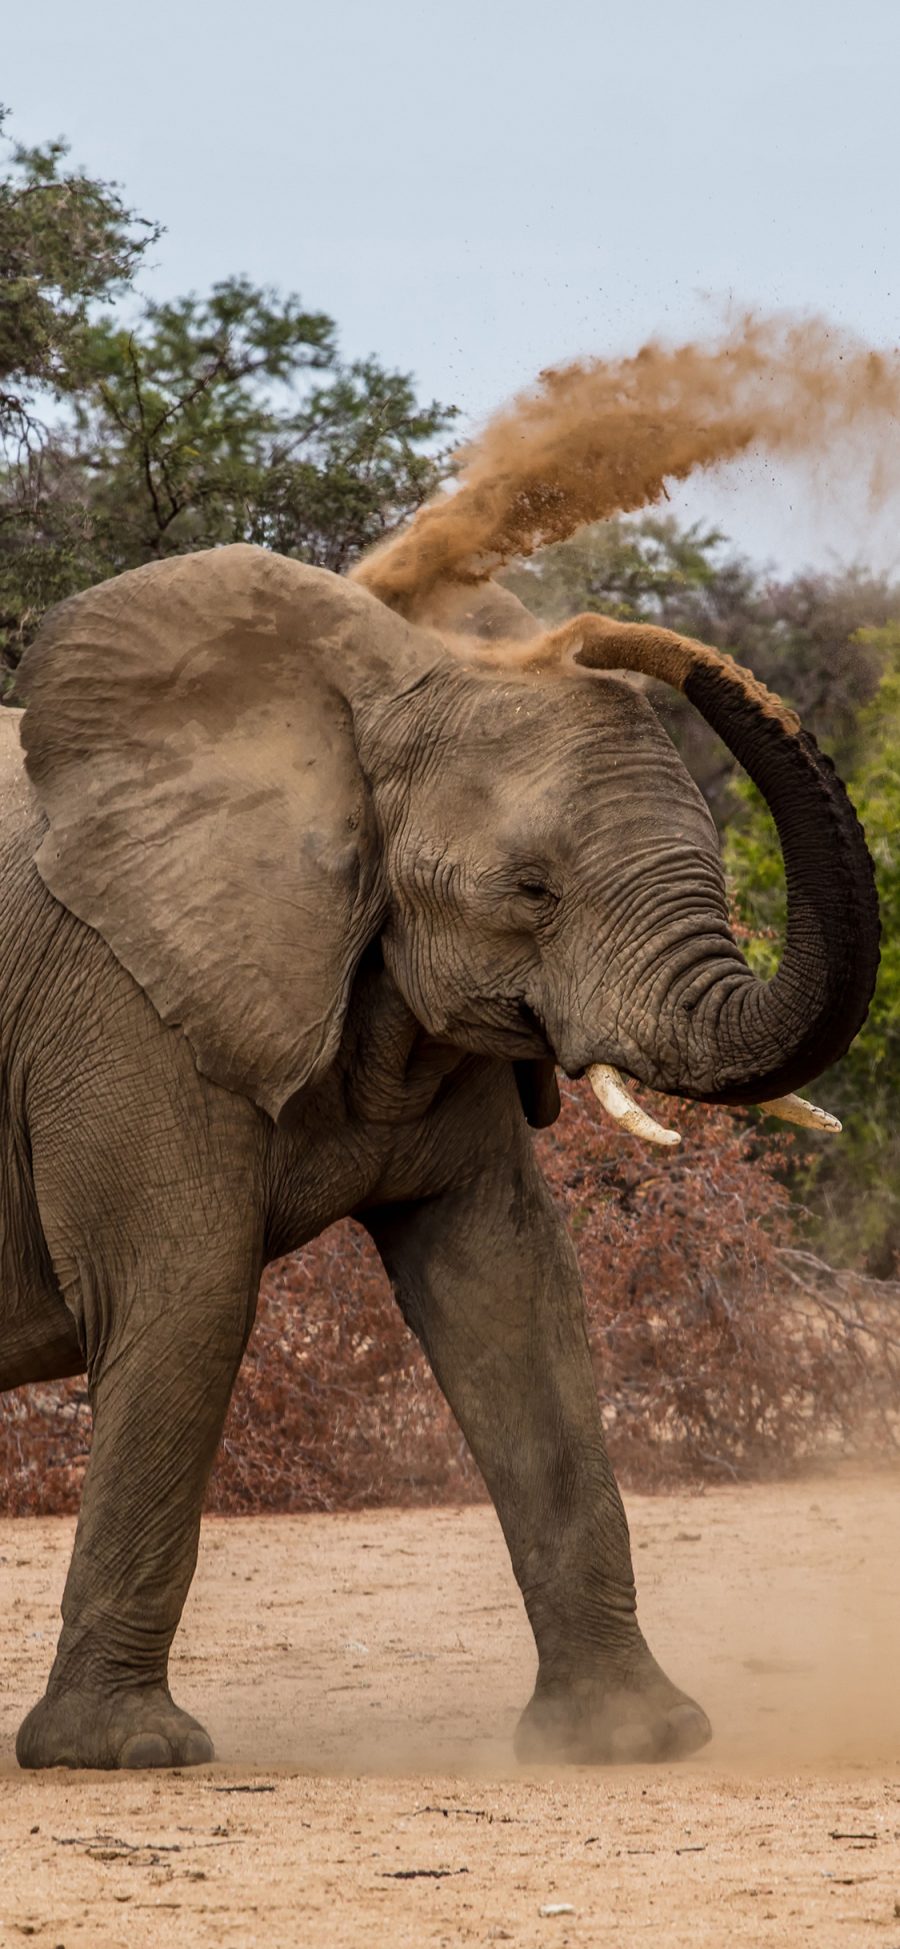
602,437
395,1640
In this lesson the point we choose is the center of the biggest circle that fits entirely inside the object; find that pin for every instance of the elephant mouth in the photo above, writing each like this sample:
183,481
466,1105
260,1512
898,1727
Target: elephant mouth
611,1088
536,1030
612,1092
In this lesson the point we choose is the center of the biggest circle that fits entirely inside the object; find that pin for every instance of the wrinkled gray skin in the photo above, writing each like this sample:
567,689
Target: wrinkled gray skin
311,887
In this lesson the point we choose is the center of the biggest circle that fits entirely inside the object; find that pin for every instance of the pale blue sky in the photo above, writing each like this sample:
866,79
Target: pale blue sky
478,190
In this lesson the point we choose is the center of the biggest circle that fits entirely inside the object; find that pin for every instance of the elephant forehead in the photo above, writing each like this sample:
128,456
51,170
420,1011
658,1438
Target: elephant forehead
533,726
555,761
624,820
578,779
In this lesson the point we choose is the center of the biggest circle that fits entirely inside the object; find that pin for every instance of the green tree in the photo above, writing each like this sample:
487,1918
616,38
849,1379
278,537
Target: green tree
354,462
175,417
208,420
67,243
233,419
854,1185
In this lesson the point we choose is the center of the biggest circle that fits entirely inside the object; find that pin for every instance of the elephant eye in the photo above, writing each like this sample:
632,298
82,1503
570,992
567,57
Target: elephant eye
536,891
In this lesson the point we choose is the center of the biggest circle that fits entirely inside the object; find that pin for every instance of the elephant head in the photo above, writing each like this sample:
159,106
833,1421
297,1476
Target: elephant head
254,771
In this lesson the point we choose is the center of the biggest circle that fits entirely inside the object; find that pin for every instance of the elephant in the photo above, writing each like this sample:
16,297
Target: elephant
305,902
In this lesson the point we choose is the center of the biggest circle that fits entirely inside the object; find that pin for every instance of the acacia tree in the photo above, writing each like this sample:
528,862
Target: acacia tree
204,420
68,246
67,243
233,419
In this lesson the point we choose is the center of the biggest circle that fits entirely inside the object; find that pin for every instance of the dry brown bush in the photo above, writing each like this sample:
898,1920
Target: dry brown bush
722,1348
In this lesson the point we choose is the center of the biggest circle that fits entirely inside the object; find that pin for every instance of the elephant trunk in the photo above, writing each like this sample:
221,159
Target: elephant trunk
745,1040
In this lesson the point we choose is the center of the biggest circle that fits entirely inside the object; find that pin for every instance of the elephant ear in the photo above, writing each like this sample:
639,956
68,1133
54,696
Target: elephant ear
193,751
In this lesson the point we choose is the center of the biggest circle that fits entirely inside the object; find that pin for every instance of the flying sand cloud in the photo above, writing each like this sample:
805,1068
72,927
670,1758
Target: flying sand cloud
601,437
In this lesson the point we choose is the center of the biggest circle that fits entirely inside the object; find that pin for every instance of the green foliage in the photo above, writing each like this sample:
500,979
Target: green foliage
175,420
67,241
353,463
854,1186
756,877
68,245
208,420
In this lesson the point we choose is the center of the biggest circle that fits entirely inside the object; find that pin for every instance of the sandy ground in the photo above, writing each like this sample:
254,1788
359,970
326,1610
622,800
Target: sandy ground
361,1677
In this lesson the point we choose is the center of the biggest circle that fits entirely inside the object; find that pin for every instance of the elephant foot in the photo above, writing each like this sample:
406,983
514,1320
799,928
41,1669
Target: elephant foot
603,1722
109,1729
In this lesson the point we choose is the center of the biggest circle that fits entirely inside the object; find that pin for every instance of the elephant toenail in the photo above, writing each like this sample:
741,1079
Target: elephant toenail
146,1749
197,1749
688,1729
630,1745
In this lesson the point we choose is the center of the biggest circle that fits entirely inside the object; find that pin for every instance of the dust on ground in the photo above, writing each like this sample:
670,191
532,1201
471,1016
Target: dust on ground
361,1676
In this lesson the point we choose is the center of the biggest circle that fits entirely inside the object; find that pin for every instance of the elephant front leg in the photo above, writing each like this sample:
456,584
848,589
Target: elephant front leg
487,1278
159,1395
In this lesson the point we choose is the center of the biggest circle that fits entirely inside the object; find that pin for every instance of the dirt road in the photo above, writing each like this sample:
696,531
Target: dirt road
361,1677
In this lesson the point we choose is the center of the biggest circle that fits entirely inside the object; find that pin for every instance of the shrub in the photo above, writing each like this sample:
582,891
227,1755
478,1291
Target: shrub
722,1349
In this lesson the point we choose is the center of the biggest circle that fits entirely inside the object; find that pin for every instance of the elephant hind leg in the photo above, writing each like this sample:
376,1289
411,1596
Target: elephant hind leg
38,1337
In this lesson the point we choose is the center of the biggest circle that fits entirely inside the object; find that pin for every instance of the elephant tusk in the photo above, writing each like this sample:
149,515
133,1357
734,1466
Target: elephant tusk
609,1089
795,1109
